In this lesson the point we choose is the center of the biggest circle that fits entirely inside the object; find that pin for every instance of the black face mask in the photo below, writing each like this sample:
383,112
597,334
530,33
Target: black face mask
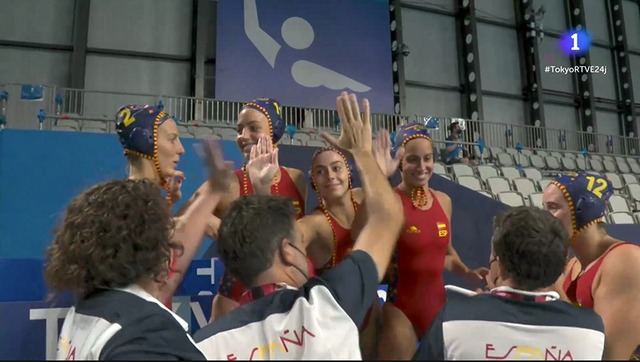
306,276
458,131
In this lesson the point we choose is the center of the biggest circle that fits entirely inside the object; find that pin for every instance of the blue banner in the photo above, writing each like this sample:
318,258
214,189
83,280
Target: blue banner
303,52
29,330
30,326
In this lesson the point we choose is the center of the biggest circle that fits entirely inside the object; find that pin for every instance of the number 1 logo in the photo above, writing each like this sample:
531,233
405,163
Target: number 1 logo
575,46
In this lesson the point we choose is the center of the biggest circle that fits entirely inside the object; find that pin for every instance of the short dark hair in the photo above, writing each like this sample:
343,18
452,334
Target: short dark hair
251,232
113,235
532,246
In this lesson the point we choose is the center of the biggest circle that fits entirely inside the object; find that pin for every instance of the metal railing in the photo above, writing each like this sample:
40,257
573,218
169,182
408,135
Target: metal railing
102,105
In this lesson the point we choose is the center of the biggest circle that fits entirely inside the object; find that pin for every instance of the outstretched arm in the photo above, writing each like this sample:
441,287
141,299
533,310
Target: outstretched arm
317,238
191,226
382,153
384,210
452,261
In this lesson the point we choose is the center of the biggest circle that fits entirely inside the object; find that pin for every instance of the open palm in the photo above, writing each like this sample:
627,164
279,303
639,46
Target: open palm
263,164
382,153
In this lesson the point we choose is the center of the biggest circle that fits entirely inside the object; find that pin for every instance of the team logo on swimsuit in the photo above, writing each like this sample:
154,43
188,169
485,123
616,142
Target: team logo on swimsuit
442,229
296,207
413,230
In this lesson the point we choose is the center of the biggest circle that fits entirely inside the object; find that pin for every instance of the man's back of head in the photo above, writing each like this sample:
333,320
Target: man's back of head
521,317
252,232
530,247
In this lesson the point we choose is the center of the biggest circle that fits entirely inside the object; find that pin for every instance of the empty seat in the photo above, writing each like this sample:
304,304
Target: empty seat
460,169
570,155
542,153
527,152
533,173
618,203
484,156
615,180
621,218
439,168
200,131
495,151
542,184
633,190
609,165
629,178
316,143
505,159
555,154
631,161
511,151
581,163
596,165
538,162
286,140
486,171
552,162
182,131
622,164
511,198
524,186
227,133
608,158
303,137
510,172
522,160
535,200
633,165
471,182
569,164
595,156
498,184
66,124
94,126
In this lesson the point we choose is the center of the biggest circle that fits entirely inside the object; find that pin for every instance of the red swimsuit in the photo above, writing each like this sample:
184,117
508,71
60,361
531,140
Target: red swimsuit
343,246
284,187
579,290
230,287
342,241
416,284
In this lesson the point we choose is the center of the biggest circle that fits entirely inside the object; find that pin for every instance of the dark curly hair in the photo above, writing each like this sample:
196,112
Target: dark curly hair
251,232
531,245
113,234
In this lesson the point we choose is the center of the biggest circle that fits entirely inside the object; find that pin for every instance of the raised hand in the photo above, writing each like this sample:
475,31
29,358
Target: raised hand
263,165
221,174
355,133
382,153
